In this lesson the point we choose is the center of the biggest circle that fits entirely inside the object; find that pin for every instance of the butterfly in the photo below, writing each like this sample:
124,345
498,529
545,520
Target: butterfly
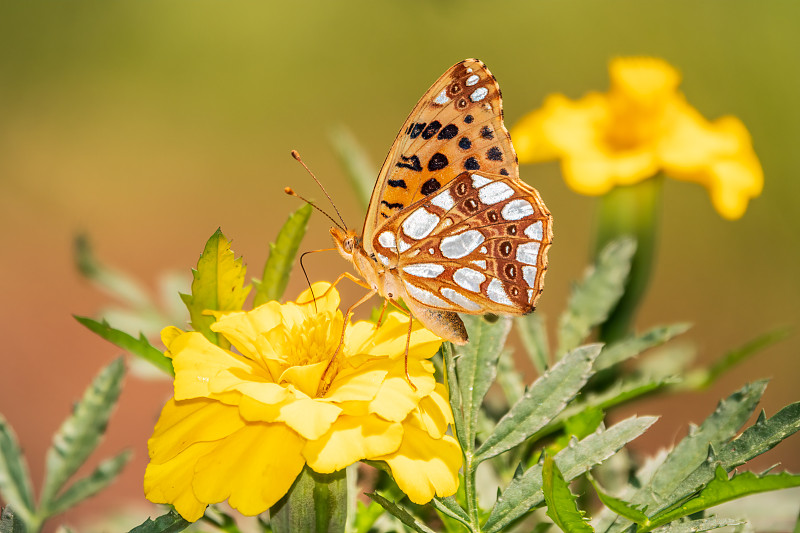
451,228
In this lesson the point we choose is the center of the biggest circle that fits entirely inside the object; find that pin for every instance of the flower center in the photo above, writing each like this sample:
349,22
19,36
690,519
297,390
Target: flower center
313,341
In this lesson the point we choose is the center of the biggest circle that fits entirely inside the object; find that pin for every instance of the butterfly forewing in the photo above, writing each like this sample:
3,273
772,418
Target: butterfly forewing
457,126
477,245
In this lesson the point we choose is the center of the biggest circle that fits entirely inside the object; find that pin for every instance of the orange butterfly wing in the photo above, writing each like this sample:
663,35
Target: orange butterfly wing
457,126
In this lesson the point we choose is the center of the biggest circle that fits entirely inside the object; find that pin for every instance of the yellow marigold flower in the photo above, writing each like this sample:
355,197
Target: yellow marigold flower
641,126
244,422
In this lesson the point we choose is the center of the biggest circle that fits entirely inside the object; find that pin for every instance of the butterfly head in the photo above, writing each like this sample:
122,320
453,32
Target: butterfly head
346,241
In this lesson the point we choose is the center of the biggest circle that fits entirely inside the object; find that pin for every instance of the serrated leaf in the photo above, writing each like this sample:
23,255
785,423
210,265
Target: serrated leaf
282,254
524,492
578,427
105,473
140,347
547,397
476,368
15,482
401,513
717,429
357,164
450,507
624,509
533,334
171,522
596,295
703,524
562,506
509,379
82,431
454,394
217,285
9,523
721,489
619,351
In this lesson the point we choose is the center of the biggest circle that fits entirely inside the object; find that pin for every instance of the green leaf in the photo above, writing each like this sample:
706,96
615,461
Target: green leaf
721,489
171,522
704,378
524,492
218,285
366,515
9,523
620,507
15,482
703,524
105,473
81,432
140,347
533,334
509,378
562,506
282,253
717,429
400,513
476,367
454,395
547,397
579,426
450,507
596,295
357,164
619,351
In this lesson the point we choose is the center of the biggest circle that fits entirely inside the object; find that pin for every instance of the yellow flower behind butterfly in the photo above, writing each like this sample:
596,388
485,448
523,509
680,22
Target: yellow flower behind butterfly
243,422
641,126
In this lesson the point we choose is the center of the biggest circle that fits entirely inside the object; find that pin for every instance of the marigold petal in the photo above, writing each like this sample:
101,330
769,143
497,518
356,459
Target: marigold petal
189,421
171,482
646,81
594,173
435,413
359,384
396,397
350,439
318,299
305,378
168,336
310,418
424,467
390,340
252,469
197,362
244,329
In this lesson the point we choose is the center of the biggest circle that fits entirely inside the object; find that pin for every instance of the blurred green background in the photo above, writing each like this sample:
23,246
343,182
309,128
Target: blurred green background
149,124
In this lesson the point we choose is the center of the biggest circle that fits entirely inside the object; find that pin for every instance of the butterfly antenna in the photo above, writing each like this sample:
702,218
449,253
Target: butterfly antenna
296,155
290,192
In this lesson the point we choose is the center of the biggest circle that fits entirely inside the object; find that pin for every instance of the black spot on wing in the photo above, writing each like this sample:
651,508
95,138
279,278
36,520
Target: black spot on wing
448,132
504,172
398,183
487,133
472,164
410,163
431,130
418,127
430,186
437,162
468,119
397,205
494,154
464,143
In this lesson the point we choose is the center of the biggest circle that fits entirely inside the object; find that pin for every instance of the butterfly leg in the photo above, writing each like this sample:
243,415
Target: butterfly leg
327,379
383,310
408,337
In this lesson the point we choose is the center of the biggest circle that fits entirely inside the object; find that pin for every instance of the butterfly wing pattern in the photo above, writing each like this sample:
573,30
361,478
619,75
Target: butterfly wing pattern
450,227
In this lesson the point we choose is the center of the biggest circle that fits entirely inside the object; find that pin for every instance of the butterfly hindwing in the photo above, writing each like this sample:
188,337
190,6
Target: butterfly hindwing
457,126
477,245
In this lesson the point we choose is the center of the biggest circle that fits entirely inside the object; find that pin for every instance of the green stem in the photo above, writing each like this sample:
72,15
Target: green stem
315,503
470,491
630,210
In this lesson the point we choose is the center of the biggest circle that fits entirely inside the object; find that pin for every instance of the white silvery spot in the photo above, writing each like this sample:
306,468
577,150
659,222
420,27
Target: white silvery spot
424,270
469,71
530,294
383,259
497,293
528,252
517,209
535,231
443,200
387,239
472,80
442,98
426,297
480,262
402,245
479,181
484,250
420,223
479,94
457,246
529,275
469,279
495,192
459,299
